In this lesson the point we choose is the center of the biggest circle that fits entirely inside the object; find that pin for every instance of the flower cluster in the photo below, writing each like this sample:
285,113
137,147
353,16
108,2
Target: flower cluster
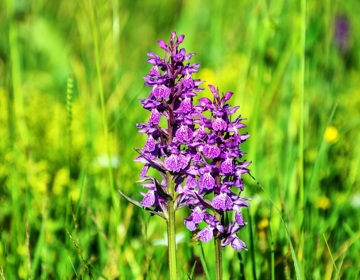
219,169
197,153
171,98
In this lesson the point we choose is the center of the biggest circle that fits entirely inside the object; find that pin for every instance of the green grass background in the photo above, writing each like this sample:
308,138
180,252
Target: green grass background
70,76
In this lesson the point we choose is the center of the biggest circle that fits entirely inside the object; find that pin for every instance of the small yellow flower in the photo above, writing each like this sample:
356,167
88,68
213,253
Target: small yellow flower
263,224
331,134
322,202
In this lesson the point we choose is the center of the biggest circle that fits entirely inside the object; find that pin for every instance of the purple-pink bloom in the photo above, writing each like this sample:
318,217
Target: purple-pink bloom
150,144
206,234
154,117
195,218
227,166
219,124
206,181
149,199
230,237
183,133
161,91
211,151
176,162
222,202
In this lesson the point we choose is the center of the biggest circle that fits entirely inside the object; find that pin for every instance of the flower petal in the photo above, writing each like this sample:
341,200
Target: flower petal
206,234
149,199
222,202
238,244
211,151
207,181
219,125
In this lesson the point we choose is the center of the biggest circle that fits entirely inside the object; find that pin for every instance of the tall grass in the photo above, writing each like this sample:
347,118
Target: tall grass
300,95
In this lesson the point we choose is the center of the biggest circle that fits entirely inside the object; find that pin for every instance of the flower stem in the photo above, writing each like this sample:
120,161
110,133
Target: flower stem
217,241
171,231
171,241
218,259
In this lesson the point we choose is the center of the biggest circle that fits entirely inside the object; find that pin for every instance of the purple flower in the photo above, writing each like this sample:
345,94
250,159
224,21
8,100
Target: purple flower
231,238
149,199
222,202
342,33
161,91
195,218
206,234
227,165
211,151
176,162
183,133
197,153
206,181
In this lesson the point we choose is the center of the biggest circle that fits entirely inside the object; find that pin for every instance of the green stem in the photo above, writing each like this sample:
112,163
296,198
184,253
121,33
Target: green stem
171,241
171,230
218,259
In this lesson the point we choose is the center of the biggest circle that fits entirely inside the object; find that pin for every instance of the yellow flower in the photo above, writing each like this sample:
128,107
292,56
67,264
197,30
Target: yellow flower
263,224
322,202
331,134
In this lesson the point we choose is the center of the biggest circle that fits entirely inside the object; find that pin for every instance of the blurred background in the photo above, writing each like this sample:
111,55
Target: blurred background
70,79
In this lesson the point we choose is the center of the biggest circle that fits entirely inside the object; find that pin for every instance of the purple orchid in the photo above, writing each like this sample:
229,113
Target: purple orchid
171,99
197,154
219,171
342,34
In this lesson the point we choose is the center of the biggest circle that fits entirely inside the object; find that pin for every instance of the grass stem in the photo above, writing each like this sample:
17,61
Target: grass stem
102,98
302,129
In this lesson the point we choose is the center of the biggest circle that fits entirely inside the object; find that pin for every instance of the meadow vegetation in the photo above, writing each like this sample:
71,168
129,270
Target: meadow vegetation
70,79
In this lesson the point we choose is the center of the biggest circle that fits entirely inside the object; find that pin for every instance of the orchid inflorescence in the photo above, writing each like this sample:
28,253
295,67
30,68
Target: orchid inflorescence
197,151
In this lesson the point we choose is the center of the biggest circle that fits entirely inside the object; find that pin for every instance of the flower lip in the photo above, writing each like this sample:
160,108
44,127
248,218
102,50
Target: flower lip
222,202
149,199
206,234
211,151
